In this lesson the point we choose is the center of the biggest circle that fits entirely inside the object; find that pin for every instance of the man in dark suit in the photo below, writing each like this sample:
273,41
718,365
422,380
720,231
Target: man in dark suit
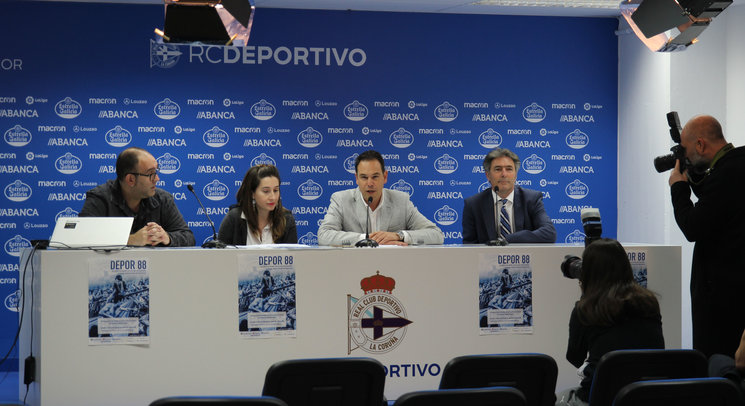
523,218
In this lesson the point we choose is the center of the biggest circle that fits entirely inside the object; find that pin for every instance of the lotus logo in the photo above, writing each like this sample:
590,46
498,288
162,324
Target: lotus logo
68,108
309,190
446,112
167,109
163,55
263,110
577,139
401,138
215,190
13,300
534,164
577,190
309,138
68,164
446,216
534,113
446,164
263,159
355,111
484,186
308,239
14,245
403,186
490,139
17,191
349,163
17,136
67,212
575,237
168,164
118,137
215,137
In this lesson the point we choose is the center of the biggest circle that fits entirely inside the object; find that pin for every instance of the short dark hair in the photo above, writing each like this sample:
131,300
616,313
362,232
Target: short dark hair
498,153
369,156
127,162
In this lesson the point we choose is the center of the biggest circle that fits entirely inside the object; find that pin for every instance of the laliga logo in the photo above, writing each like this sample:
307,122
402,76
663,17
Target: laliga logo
14,245
349,163
13,300
402,186
68,164
215,137
308,239
215,190
484,186
490,139
575,237
167,109
17,136
355,111
446,216
534,164
118,137
446,164
309,138
376,321
68,108
263,110
17,191
401,138
577,190
263,159
534,113
168,164
309,190
446,112
577,139
67,212
163,55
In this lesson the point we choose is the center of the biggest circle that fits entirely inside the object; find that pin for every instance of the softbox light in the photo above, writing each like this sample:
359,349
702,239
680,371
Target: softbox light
221,22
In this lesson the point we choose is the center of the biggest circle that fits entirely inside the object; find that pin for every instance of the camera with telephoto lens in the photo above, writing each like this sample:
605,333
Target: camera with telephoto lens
572,264
666,162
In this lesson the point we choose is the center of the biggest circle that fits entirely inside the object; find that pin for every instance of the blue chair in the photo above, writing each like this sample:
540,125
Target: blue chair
217,401
680,392
532,374
495,396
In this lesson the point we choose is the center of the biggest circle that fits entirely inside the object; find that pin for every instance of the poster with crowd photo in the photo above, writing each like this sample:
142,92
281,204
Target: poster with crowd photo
119,301
638,259
266,296
505,294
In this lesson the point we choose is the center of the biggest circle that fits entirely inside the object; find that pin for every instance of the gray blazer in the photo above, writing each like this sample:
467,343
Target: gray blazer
345,219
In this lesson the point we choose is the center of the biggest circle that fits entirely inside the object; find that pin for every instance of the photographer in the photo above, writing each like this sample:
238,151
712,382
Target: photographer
613,313
716,223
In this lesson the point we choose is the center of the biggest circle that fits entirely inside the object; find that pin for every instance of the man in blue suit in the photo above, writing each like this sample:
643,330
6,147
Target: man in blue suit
523,218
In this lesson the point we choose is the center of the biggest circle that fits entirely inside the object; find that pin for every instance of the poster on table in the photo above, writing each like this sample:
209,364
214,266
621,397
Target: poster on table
638,260
266,296
505,294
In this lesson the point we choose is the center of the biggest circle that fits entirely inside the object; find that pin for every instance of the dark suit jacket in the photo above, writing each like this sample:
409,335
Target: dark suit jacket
532,224
234,230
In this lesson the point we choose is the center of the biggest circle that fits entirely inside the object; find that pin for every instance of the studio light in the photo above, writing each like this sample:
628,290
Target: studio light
223,22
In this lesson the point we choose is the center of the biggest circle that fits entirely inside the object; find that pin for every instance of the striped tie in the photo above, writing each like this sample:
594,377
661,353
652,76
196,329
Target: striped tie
504,220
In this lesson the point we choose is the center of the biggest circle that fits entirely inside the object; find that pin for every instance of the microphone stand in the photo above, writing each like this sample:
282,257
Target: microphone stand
215,243
500,241
367,242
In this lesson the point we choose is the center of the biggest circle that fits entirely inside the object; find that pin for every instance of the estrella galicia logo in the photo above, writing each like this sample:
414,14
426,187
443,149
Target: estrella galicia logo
309,138
68,164
377,321
215,190
167,109
13,300
14,245
118,137
484,186
575,237
349,163
355,111
263,159
168,164
534,164
163,55
67,212
446,216
490,139
446,164
577,190
577,139
534,113
263,110
308,239
401,138
215,137
68,108
18,191
446,112
17,136
309,190
403,186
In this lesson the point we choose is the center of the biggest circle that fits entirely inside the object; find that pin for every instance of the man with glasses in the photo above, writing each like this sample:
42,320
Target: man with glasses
157,220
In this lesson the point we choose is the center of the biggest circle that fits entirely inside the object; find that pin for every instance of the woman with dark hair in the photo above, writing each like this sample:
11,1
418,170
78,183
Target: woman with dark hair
259,217
613,313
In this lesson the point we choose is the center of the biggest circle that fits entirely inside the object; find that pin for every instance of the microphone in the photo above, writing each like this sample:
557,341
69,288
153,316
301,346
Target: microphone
367,242
500,241
215,243
591,223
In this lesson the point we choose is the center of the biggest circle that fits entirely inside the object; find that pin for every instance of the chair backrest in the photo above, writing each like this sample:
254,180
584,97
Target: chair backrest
217,401
328,382
680,392
533,374
617,369
495,396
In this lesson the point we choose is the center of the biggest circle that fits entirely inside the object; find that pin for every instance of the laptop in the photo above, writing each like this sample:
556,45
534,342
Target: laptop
91,232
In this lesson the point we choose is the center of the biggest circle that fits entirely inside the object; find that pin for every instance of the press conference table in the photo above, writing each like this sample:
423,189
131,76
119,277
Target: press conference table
195,348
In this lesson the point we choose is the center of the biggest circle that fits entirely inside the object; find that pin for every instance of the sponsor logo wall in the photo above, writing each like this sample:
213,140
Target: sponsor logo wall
432,93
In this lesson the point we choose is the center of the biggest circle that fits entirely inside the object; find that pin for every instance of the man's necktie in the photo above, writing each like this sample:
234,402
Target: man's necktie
504,220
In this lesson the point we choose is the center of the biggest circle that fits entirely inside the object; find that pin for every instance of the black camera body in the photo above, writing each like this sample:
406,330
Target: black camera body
666,162
571,267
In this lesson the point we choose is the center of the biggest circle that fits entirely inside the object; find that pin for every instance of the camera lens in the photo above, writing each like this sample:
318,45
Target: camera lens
664,163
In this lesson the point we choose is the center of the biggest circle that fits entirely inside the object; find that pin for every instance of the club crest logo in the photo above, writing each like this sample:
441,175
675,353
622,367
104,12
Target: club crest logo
163,55
377,321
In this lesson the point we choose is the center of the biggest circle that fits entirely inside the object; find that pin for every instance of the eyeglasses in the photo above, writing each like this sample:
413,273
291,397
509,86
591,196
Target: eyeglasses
149,175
